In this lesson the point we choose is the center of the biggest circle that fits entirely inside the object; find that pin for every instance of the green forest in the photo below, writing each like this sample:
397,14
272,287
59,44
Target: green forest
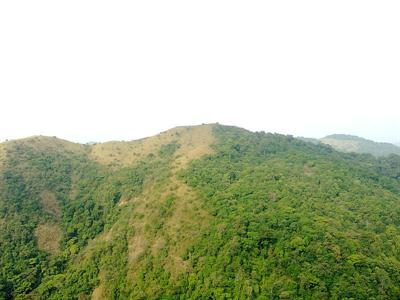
261,216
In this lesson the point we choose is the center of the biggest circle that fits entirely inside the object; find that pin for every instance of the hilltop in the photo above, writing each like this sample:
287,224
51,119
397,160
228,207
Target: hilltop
350,143
194,141
197,212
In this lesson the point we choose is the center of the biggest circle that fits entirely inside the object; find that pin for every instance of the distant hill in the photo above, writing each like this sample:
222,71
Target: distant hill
351,143
199,212
309,140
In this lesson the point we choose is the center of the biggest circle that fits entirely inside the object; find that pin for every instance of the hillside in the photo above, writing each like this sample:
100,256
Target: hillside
194,141
202,212
350,143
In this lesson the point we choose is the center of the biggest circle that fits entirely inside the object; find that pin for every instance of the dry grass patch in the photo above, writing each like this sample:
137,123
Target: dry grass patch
187,220
3,155
179,229
50,204
48,237
136,246
139,241
152,229
52,144
98,291
158,244
308,170
124,201
194,142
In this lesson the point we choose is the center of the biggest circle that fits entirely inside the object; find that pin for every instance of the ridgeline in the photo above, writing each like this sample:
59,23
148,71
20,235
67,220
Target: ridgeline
202,212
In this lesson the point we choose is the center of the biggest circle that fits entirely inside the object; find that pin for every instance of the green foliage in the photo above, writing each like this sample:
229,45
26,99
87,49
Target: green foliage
294,220
290,220
85,215
27,174
168,149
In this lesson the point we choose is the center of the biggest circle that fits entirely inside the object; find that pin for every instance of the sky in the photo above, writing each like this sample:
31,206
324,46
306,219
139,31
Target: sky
121,70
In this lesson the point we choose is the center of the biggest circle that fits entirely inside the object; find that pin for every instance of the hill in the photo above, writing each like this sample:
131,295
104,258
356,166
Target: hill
309,140
204,212
350,143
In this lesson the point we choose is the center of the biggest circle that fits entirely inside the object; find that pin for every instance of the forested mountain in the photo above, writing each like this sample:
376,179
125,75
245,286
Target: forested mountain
203,212
350,143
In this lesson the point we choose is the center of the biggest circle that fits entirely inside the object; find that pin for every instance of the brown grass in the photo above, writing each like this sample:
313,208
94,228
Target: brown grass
187,217
180,229
308,170
137,246
187,220
48,237
98,291
194,142
50,204
138,243
46,143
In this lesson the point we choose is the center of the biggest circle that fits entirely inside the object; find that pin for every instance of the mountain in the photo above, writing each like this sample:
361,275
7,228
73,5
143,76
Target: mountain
309,140
202,212
350,143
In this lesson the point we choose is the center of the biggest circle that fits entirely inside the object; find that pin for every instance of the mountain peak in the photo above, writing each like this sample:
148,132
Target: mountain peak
197,212
193,142
45,143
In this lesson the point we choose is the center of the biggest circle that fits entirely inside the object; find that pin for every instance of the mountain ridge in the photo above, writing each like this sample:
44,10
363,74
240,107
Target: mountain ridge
340,142
209,211
352,143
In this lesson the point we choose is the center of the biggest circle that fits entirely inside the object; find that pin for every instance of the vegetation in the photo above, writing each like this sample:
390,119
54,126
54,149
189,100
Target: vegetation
295,221
350,143
256,216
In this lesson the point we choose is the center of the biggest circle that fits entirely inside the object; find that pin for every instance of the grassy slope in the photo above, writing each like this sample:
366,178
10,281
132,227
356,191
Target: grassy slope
259,215
161,200
164,219
348,143
194,141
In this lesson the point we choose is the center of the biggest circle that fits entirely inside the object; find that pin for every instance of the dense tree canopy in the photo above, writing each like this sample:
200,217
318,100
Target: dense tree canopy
265,216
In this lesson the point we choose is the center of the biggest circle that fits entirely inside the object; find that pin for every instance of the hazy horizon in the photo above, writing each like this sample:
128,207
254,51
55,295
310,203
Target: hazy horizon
95,71
141,137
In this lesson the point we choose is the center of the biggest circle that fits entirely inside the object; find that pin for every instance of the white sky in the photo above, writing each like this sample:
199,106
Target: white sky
104,70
